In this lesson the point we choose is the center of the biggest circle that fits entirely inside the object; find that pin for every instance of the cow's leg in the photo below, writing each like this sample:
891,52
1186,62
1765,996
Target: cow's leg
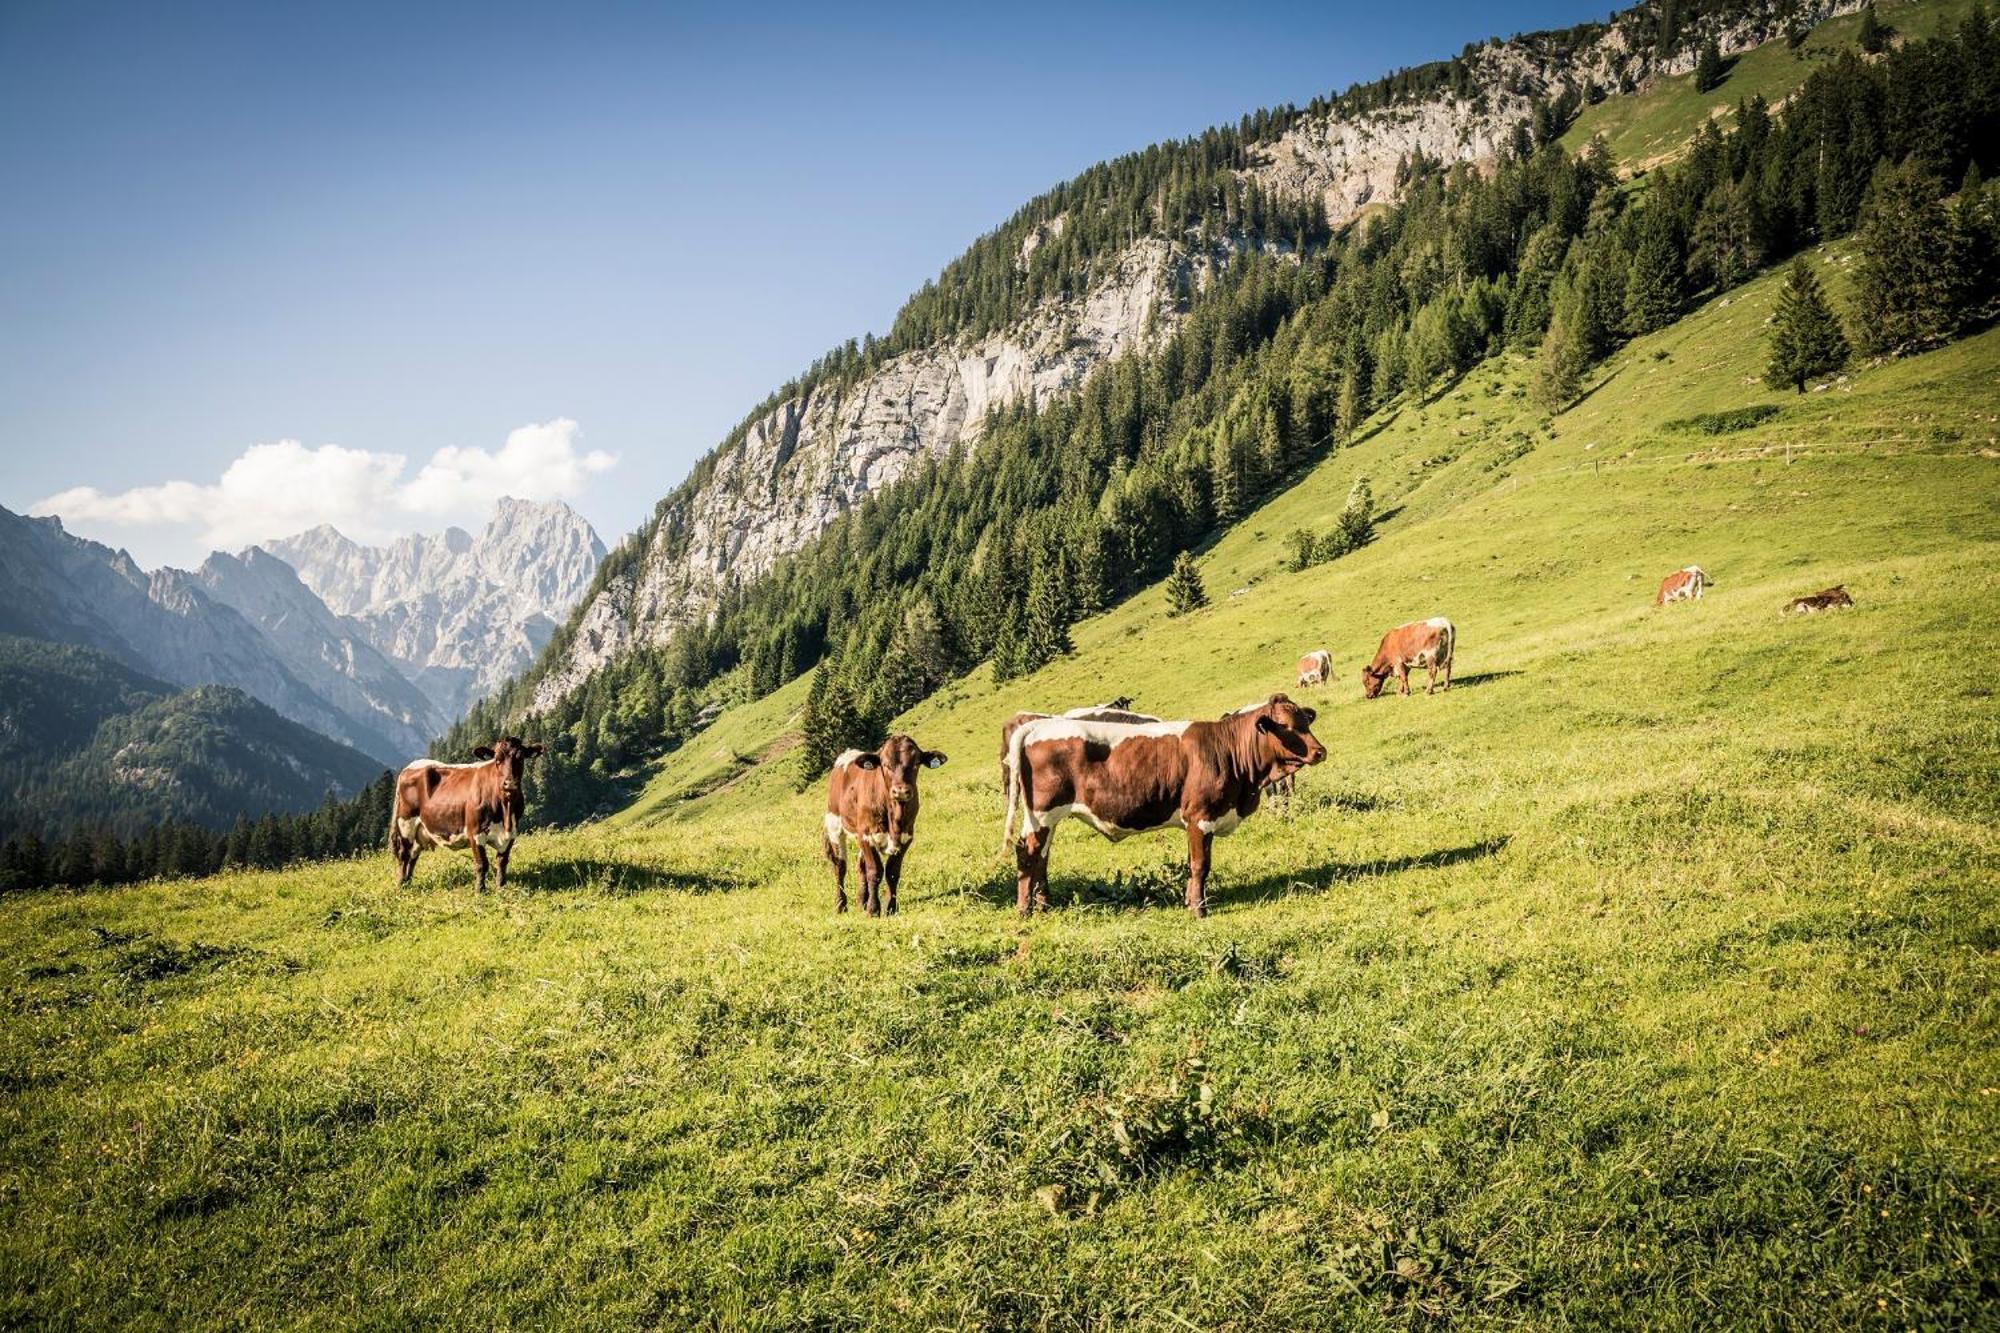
500,864
1403,680
1031,855
479,859
836,856
892,873
1447,675
399,847
1431,686
871,876
1197,889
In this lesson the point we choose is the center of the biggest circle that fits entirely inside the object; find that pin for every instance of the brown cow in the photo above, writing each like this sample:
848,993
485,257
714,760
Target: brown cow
872,798
1827,599
1118,710
1424,643
460,806
1683,585
1316,668
1129,777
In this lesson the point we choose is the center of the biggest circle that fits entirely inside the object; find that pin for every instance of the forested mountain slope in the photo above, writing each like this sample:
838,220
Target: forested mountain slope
1100,268
90,744
991,552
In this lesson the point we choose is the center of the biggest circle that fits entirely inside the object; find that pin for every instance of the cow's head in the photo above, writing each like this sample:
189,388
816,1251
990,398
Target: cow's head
1371,681
898,761
512,754
1284,738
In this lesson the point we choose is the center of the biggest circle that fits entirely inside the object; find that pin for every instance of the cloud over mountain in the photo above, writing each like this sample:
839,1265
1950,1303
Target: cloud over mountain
279,488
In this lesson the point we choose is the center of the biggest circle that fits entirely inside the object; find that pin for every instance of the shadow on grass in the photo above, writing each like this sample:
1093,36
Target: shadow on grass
1478,678
1165,885
618,878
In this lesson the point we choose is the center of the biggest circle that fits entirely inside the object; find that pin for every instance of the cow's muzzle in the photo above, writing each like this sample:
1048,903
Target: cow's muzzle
510,787
901,795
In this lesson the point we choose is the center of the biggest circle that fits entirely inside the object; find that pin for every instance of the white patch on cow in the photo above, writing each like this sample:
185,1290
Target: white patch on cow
846,757
835,831
495,837
885,842
1222,827
1104,733
1040,821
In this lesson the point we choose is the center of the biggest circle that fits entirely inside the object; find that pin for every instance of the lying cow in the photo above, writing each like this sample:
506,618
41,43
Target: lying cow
461,806
872,798
1316,668
1683,585
1829,599
1117,710
1129,777
1422,643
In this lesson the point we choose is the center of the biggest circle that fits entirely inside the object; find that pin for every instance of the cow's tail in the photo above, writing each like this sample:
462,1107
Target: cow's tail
1017,788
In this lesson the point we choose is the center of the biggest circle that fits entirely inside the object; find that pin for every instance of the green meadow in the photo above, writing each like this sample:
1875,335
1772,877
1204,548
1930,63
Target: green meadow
1646,979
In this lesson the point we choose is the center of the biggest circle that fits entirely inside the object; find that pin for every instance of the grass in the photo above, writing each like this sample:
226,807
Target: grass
1646,979
1654,126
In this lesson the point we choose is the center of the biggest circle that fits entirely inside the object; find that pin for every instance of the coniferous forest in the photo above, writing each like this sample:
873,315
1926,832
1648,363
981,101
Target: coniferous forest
988,554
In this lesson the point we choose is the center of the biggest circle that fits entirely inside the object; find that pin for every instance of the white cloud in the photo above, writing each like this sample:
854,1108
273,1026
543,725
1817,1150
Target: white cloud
274,490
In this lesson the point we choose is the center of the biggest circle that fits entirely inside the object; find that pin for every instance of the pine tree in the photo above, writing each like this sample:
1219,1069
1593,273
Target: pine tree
1805,335
1708,67
1653,285
827,722
1184,589
1872,38
1558,367
1045,636
1305,547
1908,293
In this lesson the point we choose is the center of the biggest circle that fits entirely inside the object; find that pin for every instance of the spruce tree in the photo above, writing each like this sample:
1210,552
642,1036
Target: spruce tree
1908,292
827,721
1559,366
1184,590
1805,334
1708,67
1045,636
1305,547
1653,285
1872,38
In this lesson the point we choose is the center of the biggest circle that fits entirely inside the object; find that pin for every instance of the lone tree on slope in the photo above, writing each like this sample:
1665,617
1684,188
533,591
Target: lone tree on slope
1184,590
1805,336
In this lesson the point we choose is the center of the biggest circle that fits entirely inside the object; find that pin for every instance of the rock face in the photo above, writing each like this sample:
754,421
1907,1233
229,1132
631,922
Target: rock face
168,625
815,455
332,654
1351,162
458,614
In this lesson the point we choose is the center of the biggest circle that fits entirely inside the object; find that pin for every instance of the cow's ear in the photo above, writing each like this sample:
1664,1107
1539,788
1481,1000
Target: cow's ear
1266,724
934,760
483,752
532,751
868,761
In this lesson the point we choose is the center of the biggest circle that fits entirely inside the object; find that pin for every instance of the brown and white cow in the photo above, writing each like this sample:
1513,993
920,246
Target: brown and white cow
1421,643
1316,668
1117,710
1827,599
872,798
1130,777
1683,585
461,806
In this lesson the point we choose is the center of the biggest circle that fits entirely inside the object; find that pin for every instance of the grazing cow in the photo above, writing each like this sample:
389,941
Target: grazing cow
872,798
1117,710
1424,643
460,806
1683,585
1316,668
1130,777
1828,599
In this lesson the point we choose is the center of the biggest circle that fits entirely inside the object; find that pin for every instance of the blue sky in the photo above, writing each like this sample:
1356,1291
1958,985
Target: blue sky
567,245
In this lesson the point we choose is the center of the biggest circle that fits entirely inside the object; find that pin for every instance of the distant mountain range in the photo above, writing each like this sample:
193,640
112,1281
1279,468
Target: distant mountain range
371,651
458,614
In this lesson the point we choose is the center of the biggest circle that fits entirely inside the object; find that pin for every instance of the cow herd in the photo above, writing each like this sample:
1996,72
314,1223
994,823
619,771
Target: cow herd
1119,771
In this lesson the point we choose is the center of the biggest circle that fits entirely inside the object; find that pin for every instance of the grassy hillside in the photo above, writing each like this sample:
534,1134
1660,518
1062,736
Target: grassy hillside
1653,126
1645,979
